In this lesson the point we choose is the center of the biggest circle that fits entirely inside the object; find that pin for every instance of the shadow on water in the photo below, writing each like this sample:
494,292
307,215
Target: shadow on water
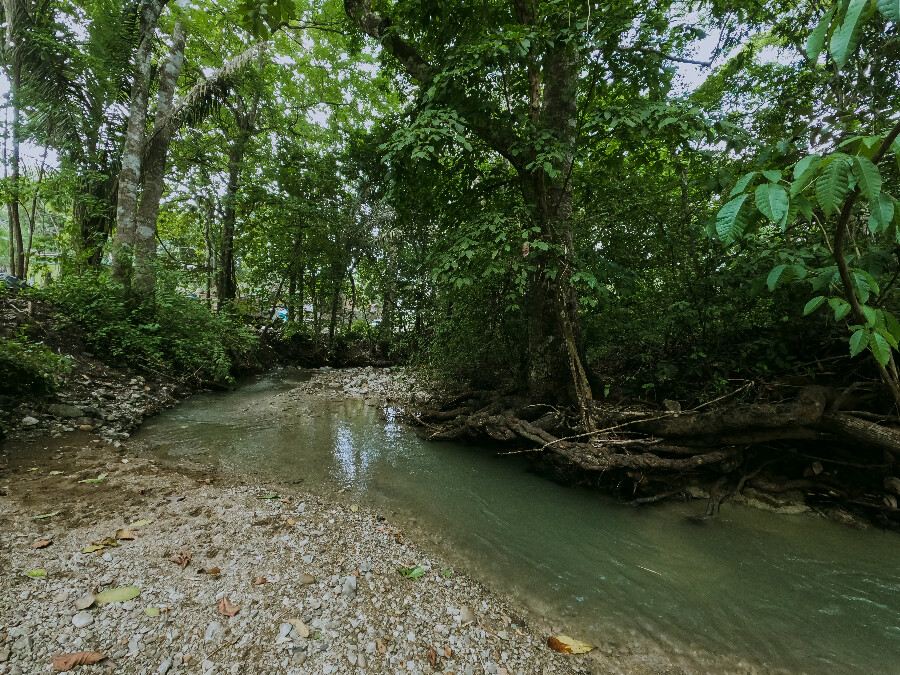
789,592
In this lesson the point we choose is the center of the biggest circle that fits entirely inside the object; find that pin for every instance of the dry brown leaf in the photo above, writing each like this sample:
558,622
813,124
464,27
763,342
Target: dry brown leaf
290,521
126,534
567,645
432,656
226,608
65,662
448,652
284,500
380,646
211,570
300,626
182,559
259,581
41,543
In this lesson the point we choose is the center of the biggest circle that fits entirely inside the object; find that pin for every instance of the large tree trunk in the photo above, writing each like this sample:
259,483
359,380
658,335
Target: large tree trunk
130,173
155,168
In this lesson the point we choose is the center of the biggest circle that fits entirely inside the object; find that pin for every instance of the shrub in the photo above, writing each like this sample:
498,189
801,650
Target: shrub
28,367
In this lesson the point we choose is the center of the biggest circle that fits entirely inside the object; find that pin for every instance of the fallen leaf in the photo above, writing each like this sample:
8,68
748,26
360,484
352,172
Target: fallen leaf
93,548
41,543
65,662
284,500
290,521
432,656
354,508
567,645
125,534
273,495
55,473
45,515
226,608
211,570
34,468
175,498
300,626
412,572
380,646
152,611
182,559
259,581
140,523
448,652
98,479
122,594
447,572
37,574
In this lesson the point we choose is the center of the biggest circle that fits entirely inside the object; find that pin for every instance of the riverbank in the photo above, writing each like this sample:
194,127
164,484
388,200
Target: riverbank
313,584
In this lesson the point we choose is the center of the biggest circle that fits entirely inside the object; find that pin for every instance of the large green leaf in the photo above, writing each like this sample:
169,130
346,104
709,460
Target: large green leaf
833,185
775,275
859,341
881,212
845,39
773,201
804,170
816,42
868,177
891,9
732,219
742,184
880,348
813,305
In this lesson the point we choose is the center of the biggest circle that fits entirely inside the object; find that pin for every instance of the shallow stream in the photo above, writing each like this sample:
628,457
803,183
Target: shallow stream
793,593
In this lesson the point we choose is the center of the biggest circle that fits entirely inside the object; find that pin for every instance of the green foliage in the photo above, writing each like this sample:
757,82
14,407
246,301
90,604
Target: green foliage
170,333
28,368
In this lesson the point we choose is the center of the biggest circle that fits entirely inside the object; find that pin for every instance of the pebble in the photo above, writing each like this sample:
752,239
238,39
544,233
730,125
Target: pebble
82,619
84,601
29,421
466,615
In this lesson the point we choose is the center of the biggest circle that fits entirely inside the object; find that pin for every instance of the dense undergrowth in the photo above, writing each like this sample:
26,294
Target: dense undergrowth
169,333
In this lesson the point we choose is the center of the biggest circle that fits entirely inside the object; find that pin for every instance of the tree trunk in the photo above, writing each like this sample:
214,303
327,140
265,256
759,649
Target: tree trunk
295,272
16,244
226,281
336,279
155,169
130,173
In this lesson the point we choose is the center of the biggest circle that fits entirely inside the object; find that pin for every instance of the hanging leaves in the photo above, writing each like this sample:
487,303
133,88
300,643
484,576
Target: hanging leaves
845,38
732,220
816,42
773,201
833,185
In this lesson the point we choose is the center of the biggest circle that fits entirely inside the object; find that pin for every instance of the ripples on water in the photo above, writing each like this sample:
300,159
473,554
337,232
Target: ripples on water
780,592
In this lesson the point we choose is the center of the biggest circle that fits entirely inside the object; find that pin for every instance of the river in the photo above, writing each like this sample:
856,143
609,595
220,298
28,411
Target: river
798,594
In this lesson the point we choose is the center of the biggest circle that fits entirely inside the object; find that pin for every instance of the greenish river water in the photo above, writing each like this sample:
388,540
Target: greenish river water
793,593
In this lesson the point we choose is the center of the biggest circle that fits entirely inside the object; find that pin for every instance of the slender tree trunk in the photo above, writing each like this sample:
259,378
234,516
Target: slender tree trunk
130,173
16,244
155,168
337,278
295,270
226,282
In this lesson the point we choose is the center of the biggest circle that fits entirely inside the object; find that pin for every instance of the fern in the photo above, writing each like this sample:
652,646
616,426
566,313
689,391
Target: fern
833,185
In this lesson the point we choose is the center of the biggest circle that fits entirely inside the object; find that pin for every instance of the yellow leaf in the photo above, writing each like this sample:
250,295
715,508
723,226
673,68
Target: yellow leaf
354,508
566,645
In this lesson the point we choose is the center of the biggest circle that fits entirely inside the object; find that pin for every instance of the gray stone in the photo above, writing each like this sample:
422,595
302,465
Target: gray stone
284,629
29,421
82,619
214,632
466,615
307,579
64,411
164,667
4,655
349,586
84,601
365,566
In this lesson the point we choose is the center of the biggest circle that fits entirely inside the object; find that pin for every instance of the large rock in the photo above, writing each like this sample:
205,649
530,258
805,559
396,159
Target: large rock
65,411
892,483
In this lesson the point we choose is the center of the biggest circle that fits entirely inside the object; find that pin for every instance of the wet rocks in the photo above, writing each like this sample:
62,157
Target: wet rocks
65,411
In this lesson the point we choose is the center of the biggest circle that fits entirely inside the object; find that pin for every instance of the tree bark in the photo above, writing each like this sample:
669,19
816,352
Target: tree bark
130,173
226,280
14,74
155,168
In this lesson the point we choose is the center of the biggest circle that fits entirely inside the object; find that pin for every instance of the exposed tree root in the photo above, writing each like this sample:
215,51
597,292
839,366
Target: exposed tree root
649,456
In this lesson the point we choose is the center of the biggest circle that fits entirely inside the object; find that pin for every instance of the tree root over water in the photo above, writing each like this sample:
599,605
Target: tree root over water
784,454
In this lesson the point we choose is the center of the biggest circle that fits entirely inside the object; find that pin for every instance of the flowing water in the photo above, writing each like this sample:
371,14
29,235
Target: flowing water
778,592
